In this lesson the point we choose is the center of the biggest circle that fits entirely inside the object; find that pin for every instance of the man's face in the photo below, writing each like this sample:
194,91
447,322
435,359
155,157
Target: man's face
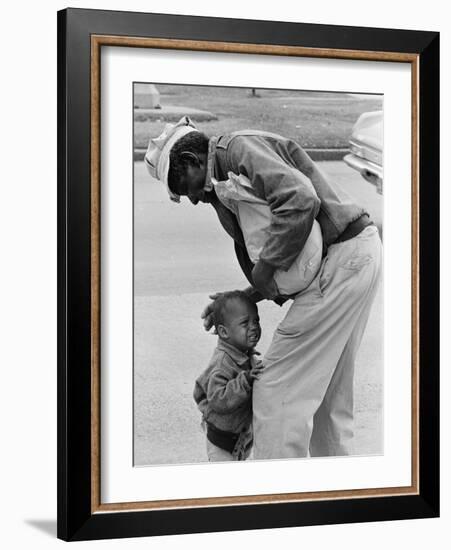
242,325
192,183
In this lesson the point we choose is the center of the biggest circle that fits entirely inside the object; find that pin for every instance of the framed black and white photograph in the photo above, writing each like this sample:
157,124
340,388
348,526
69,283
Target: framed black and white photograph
172,275
248,265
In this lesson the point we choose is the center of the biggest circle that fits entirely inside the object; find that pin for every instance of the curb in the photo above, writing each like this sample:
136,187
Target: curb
316,154
171,114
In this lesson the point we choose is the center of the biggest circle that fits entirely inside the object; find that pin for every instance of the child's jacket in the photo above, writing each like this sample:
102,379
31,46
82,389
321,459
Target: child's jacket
223,392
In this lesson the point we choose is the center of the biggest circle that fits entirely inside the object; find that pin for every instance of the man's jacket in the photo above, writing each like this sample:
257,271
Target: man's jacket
281,173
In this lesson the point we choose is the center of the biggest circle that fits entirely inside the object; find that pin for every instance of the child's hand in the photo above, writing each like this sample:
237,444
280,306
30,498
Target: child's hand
256,370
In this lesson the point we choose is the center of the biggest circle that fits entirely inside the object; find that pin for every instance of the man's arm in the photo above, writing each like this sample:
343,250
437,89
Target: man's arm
254,294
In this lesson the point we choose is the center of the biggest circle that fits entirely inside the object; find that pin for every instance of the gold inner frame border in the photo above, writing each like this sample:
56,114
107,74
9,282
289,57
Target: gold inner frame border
97,41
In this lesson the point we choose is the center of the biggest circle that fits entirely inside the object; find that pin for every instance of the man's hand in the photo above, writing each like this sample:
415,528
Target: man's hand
207,313
262,275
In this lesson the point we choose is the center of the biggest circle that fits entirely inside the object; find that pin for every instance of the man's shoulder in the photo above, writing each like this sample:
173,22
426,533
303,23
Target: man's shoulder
225,140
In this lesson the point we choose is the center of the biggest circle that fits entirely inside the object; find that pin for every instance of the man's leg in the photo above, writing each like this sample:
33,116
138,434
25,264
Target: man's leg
307,347
333,423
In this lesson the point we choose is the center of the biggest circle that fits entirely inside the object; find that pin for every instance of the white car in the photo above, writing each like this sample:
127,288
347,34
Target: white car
366,146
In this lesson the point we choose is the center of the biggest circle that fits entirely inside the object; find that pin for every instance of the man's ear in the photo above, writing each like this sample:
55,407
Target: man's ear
190,157
222,332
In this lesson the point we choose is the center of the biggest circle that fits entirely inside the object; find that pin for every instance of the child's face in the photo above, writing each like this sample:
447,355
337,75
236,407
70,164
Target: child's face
242,325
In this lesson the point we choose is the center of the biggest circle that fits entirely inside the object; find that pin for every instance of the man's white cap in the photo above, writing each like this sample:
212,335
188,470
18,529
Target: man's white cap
157,155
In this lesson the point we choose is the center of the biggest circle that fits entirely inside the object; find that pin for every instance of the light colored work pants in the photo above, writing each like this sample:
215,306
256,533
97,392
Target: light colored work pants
303,401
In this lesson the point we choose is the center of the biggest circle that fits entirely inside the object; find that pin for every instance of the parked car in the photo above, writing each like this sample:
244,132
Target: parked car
366,148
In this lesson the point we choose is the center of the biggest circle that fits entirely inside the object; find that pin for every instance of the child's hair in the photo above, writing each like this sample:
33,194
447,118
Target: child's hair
220,304
194,142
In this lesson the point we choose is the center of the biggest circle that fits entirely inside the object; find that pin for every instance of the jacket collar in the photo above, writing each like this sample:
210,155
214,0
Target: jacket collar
210,163
237,356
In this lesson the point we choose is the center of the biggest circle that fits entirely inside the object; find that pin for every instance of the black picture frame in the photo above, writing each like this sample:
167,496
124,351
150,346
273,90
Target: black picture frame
77,520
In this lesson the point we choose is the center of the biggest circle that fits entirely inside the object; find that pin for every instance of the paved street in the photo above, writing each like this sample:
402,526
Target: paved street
181,255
